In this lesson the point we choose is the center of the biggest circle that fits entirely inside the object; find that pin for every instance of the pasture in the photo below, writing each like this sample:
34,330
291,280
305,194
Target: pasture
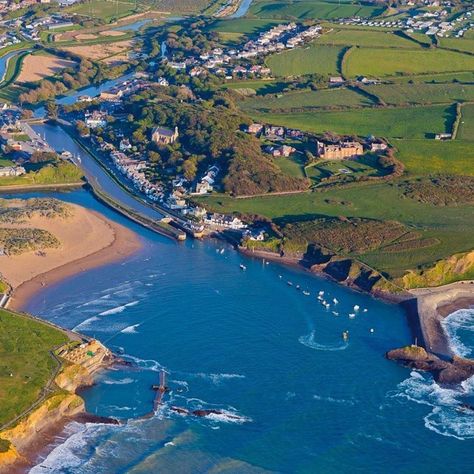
312,59
400,94
409,122
306,99
304,9
25,361
380,62
466,127
367,38
107,10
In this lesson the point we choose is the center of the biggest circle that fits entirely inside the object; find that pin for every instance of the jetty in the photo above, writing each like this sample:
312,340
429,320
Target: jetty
160,389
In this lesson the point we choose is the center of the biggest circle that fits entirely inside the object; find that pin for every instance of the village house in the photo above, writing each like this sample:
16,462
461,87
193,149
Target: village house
95,119
377,147
255,128
125,145
284,150
6,171
339,151
443,136
220,221
164,136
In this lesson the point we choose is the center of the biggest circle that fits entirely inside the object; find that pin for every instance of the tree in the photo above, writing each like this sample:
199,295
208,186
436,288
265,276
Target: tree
52,110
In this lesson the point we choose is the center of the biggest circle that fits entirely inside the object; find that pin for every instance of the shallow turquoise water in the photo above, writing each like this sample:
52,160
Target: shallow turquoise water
247,343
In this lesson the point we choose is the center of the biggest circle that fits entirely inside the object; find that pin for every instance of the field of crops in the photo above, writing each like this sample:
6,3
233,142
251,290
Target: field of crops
378,62
310,60
466,127
336,98
368,38
409,122
242,26
106,10
304,9
398,94
440,78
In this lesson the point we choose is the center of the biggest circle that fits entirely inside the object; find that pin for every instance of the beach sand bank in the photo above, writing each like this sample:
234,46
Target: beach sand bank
88,240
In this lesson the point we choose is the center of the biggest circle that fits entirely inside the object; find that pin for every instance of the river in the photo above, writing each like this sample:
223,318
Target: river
246,343
242,10
4,62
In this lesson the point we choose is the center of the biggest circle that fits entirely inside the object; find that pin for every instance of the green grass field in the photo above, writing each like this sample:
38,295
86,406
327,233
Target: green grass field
309,60
459,44
106,10
432,156
292,166
340,97
409,122
466,127
399,94
452,227
242,26
25,361
440,78
304,9
367,38
261,86
378,62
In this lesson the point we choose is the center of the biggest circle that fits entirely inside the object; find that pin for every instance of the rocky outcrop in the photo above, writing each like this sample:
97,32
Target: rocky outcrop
445,372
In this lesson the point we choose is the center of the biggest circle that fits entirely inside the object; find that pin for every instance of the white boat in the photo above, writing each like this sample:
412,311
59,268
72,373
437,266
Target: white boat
335,313
321,293
242,267
335,301
306,293
352,315
356,307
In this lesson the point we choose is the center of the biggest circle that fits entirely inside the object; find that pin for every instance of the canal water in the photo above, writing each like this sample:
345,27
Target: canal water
247,344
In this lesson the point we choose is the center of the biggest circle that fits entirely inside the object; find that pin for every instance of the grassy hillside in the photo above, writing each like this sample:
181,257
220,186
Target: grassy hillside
368,38
306,9
25,361
399,94
466,127
379,62
340,97
410,122
309,60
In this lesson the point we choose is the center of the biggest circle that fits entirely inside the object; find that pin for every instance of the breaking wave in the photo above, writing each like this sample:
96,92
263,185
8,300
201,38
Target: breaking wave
125,381
85,324
130,329
455,324
447,416
341,401
118,309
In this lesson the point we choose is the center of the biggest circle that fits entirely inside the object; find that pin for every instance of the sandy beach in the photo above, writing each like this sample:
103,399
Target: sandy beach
88,240
433,305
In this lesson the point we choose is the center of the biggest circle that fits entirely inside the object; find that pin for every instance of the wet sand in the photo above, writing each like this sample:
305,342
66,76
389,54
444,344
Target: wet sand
433,305
107,242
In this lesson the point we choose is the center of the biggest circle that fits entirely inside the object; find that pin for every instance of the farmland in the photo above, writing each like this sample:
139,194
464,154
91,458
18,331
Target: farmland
365,38
380,62
310,60
466,127
26,364
399,94
409,122
311,9
329,98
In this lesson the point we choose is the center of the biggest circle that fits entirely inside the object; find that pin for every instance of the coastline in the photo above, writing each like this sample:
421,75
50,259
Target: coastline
435,304
125,243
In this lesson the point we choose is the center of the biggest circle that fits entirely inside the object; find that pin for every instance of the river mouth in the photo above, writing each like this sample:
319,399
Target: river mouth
244,343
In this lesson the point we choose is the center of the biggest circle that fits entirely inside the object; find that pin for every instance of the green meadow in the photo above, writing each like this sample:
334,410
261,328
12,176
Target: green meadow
380,62
326,98
466,127
421,93
26,364
311,9
367,38
308,60
407,122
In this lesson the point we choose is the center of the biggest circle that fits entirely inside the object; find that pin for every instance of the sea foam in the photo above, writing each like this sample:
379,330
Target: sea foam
308,341
455,324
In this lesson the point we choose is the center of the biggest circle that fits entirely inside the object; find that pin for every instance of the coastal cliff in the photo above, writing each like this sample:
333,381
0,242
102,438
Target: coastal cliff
20,443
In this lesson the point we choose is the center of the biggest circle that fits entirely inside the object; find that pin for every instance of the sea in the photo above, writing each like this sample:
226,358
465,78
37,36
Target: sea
291,395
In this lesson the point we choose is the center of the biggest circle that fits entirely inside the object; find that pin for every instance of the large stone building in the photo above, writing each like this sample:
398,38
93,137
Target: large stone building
339,151
164,136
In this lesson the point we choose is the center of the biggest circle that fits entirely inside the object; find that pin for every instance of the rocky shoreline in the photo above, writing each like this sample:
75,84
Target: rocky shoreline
431,350
34,434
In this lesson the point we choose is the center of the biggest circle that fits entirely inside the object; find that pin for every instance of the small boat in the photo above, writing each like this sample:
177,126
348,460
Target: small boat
327,305
365,310
242,267
335,301
222,251
306,293
345,335
321,293
320,298
352,315
335,313
280,277
356,307
372,330
298,287
289,283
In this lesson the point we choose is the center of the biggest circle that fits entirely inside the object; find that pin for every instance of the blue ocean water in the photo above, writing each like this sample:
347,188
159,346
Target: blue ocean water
248,344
